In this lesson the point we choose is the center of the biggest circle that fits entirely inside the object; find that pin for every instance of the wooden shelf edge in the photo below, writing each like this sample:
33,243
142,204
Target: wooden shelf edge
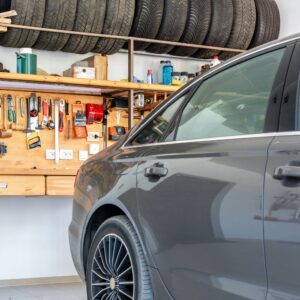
39,172
88,82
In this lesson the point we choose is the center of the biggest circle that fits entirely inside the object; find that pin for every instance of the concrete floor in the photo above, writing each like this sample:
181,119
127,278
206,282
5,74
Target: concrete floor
70,291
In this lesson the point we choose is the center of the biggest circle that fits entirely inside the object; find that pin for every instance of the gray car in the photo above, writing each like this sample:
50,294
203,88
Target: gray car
202,199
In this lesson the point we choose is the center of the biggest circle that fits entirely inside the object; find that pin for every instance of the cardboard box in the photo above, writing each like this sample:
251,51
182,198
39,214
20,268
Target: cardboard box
99,62
81,72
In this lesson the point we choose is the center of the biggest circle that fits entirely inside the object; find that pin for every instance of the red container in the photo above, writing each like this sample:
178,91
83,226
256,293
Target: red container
94,113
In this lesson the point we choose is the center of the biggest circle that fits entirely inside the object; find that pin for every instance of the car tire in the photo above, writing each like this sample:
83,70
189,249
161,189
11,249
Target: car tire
118,21
30,13
59,14
220,28
172,27
89,18
147,20
5,5
115,249
196,28
244,22
267,24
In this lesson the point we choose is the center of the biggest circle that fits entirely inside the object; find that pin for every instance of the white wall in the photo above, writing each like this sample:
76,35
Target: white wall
34,238
33,231
57,62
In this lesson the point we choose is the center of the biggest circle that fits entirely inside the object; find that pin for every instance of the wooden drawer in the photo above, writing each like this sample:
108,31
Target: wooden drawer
22,185
60,185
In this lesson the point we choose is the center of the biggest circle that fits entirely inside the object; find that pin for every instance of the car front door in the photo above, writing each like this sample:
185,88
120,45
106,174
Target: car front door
200,193
282,196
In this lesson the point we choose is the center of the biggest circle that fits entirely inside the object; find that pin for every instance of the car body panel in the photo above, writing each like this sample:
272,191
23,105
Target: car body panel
202,222
282,221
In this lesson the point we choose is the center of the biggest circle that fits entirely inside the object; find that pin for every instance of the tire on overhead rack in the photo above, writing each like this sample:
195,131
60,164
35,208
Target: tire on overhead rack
267,24
5,5
30,13
59,14
118,21
196,29
244,22
220,28
147,20
89,18
172,26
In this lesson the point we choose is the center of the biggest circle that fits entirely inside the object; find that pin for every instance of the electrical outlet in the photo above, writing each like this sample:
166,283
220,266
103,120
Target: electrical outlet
50,154
66,154
93,136
83,155
94,149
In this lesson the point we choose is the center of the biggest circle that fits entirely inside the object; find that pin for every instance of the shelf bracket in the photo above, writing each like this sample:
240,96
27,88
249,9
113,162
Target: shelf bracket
5,18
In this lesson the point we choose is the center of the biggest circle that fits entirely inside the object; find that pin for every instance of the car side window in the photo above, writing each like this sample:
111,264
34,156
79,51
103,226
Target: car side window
155,129
233,102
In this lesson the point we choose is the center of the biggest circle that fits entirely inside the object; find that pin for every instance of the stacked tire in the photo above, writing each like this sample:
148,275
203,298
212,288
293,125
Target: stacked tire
239,24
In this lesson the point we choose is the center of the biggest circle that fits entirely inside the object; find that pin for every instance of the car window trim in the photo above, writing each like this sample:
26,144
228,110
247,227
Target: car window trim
198,81
220,139
287,120
234,137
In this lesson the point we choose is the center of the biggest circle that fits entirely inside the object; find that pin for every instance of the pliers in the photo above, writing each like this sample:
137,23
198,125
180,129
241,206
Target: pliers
12,116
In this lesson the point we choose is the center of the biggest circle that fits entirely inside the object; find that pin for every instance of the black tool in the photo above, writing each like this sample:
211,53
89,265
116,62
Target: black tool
51,124
28,129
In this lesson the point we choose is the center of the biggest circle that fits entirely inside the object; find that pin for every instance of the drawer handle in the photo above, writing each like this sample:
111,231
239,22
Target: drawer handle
3,185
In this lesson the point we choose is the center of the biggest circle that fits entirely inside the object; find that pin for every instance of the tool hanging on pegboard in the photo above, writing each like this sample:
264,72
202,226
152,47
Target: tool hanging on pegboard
5,132
51,124
3,149
105,123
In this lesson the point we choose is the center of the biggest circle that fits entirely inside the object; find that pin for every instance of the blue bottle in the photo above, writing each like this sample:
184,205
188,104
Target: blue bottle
167,73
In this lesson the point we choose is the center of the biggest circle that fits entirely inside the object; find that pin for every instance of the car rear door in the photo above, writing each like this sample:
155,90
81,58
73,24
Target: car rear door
200,196
282,196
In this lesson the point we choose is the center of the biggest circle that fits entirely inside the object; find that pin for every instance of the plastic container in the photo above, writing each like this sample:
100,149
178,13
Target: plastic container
167,73
184,77
176,78
191,76
160,72
26,61
150,77
215,61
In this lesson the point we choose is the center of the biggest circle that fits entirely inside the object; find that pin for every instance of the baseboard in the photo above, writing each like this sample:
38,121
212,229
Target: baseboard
40,281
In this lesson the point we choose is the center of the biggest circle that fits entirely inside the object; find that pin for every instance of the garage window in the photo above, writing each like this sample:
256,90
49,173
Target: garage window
233,102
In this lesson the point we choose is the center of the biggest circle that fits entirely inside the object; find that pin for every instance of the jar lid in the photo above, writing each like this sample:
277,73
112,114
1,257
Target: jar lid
26,51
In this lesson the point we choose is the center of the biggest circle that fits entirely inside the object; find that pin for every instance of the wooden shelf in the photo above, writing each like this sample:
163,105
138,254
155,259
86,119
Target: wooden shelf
39,172
106,86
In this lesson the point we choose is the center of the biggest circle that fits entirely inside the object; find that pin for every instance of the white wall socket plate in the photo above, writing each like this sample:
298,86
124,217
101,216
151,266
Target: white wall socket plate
94,149
66,154
83,155
63,154
50,154
93,136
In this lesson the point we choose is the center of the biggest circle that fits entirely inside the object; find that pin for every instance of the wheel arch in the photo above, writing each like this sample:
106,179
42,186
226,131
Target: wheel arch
97,218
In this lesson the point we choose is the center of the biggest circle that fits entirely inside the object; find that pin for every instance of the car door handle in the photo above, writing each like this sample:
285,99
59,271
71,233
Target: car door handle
157,170
286,172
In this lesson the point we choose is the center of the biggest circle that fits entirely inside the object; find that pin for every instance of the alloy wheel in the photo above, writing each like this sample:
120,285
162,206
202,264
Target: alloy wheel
112,275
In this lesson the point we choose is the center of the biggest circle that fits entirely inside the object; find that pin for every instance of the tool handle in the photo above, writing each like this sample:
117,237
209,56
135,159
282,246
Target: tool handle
10,117
61,121
50,109
14,116
45,108
39,104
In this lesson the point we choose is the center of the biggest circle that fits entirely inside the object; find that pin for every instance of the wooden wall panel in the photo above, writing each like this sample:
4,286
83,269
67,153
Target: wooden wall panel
19,157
